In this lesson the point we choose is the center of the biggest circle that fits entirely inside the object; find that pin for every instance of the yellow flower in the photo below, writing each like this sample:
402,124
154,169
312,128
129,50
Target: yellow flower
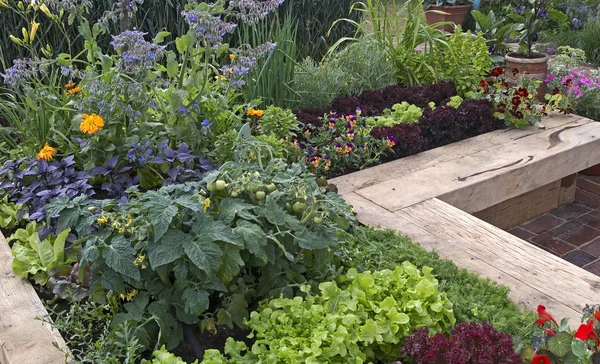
91,123
73,91
206,204
129,296
70,85
259,113
140,261
102,220
232,57
34,29
47,153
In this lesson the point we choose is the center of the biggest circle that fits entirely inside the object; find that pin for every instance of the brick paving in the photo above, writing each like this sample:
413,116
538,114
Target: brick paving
570,231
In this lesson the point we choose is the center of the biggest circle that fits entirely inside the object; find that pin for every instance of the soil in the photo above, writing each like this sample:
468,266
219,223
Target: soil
208,340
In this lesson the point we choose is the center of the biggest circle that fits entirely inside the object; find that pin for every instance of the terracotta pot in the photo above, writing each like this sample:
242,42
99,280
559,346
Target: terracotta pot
592,171
536,68
455,14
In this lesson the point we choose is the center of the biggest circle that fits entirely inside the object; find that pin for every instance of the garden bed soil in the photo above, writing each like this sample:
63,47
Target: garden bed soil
431,196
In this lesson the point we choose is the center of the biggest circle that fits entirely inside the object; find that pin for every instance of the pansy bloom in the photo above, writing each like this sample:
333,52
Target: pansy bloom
497,72
46,153
91,123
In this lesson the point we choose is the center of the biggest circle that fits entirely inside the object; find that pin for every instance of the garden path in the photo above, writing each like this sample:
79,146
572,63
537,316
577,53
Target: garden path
430,196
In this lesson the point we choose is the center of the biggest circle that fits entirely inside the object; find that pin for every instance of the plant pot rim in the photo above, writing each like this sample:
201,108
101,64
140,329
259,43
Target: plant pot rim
512,58
449,6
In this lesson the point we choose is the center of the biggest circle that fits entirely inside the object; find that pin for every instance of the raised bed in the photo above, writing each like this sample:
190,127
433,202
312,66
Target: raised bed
24,338
506,176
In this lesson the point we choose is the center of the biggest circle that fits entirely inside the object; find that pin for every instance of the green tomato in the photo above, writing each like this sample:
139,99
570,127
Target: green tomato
234,194
298,207
212,187
317,220
220,185
271,187
252,188
260,195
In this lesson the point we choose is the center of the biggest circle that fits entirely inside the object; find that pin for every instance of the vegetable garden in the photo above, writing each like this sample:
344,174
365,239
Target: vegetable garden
166,177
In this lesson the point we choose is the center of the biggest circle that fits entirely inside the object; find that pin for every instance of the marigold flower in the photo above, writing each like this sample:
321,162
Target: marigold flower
258,113
73,91
47,153
70,85
91,123
541,359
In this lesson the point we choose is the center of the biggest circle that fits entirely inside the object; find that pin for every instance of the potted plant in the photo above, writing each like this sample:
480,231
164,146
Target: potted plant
446,12
527,21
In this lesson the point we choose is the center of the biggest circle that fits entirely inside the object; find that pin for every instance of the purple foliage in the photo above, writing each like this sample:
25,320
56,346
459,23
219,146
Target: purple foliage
39,181
407,139
345,105
469,342
311,116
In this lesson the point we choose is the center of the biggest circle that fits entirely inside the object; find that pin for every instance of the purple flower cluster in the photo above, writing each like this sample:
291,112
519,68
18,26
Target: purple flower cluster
469,342
576,84
35,184
208,27
251,11
136,51
22,70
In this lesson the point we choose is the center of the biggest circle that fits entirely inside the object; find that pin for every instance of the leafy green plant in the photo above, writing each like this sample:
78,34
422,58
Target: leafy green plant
163,356
494,30
361,317
400,113
281,123
253,229
473,298
9,216
428,3
465,62
455,101
39,259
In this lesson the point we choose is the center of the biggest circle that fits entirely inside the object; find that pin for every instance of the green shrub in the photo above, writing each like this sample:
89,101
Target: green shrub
281,123
361,317
474,298
585,39
403,113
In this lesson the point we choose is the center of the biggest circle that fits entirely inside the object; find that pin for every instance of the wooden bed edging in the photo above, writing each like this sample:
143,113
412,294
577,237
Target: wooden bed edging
429,197
24,338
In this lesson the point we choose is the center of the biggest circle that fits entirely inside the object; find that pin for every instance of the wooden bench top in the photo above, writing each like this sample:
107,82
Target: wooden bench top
24,339
429,196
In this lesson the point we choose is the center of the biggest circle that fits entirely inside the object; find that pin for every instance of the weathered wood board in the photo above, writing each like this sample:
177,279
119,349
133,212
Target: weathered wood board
429,197
24,339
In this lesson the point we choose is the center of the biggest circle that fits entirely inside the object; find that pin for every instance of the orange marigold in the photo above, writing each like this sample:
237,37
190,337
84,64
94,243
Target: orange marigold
258,112
70,85
91,123
47,153
73,91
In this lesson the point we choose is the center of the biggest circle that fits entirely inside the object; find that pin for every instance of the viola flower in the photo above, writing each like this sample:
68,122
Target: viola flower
544,315
515,71
541,359
586,332
516,101
497,72
90,124
556,91
73,91
339,148
501,108
522,91
543,13
484,85
46,153
348,148
351,135
519,115
331,125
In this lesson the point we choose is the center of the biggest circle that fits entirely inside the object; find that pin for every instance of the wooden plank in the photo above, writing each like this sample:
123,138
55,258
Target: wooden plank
529,265
488,177
431,158
524,295
568,187
23,338
517,210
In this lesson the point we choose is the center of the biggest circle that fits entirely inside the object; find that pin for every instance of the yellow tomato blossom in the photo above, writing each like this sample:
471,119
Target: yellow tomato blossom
206,204
91,123
47,153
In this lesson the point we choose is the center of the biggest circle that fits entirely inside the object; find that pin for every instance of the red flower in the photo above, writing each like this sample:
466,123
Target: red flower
483,83
544,315
497,72
515,71
522,91
517,101
597,316
519,115
541,359
586,332
501,107
555,91
505,84
549,331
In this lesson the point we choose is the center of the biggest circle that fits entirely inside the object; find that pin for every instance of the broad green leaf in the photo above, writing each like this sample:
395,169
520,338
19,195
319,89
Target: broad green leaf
172,69
368,332
307,239
59,246
254,238
195,301
204,253
182,43
168,249
425,288
579,348
44,250
26,261
560,344
231,261
119,255
160,37
399,318
564,324
274,214
232,207
161,214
